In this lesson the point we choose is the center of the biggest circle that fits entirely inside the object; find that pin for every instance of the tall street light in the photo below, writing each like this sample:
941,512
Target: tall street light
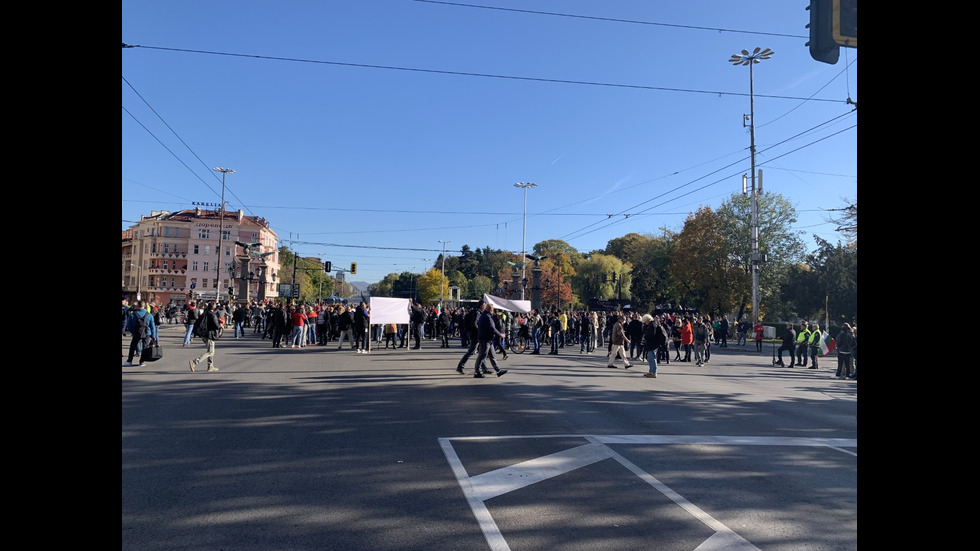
442,283
745,58
524,186
221,219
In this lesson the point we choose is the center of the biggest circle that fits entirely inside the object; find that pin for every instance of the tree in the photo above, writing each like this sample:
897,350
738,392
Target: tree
708,275
480,285
650,256
827,281
429,285
846,219
778,245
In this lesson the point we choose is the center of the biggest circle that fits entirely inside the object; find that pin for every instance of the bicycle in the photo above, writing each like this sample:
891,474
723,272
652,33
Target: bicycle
521,343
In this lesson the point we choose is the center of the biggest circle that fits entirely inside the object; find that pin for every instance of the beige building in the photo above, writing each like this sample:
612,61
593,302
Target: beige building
174,256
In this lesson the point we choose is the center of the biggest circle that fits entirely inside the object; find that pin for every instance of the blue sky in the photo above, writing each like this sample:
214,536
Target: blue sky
371,130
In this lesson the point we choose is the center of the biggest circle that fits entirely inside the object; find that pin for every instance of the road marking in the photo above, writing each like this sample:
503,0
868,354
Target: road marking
482,487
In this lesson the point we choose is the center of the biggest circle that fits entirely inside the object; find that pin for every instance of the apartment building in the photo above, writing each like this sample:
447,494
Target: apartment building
192,255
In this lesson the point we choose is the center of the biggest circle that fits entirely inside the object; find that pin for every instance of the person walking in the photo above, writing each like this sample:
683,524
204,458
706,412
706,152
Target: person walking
143,328
617,342
802,345
238,318
814,343
298,318
687,338
470,329
417,317
486,331
276,321
742,328
537,324
789,345
391,329
586,334
345,322
361,324
702,333
213,330
758,330
554,323
845,347
654,339
190,316
444,323
634,330
722,333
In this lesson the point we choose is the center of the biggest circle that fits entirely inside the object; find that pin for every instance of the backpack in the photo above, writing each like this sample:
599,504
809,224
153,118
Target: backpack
201,327
142,327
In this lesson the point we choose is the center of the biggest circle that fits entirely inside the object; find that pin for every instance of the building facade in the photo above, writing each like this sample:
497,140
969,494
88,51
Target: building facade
193,255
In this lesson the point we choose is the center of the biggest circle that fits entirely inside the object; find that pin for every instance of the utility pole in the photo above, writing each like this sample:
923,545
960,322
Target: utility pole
745,58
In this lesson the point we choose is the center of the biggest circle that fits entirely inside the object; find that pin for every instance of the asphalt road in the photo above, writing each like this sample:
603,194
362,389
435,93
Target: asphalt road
320,449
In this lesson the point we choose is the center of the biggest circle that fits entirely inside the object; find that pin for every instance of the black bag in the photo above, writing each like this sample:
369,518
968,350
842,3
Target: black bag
142,326
152,351
201,327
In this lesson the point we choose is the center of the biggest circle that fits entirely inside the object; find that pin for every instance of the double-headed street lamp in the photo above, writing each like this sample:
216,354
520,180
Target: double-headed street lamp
524,186
745,58
221,220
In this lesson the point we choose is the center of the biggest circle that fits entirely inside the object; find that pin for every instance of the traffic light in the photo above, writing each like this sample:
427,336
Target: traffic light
353,267
327,266
821,43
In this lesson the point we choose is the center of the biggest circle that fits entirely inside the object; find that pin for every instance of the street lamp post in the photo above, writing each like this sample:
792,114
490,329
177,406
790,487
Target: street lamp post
442,283
524,186
139,278
745,58
221,219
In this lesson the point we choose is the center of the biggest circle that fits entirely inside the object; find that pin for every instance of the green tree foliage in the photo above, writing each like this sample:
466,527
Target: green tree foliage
481,284
709,277
650,256
827,282
308,273
780,247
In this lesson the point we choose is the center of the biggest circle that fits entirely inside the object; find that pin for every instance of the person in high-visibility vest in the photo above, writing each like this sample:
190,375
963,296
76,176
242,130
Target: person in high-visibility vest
815,337
802,345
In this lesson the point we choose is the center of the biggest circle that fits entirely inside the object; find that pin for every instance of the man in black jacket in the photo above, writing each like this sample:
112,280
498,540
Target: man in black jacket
469,326
212,328
417,319
789,344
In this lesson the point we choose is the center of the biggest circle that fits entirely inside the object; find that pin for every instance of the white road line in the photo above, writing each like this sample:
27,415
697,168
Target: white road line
480,488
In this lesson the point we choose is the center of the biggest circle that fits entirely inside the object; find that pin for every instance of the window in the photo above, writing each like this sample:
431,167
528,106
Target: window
225,235
153,247
215,283
194,266
166,264
205,267
255,237
204,284
173,282
203,233
207,250
166,231
227,251
151,280
197,249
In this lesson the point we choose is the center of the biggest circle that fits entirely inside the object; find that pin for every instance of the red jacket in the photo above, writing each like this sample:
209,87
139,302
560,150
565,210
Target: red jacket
299,318
687,334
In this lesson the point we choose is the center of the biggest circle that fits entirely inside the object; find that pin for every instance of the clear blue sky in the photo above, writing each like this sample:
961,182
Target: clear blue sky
370,130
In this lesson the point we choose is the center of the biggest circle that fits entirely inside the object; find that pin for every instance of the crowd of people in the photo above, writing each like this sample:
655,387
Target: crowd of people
486,331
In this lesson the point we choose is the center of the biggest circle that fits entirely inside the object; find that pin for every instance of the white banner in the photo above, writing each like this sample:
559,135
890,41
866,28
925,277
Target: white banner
500,303
388,310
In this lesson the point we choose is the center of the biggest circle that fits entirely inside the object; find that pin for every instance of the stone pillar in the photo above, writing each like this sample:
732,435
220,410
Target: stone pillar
536,288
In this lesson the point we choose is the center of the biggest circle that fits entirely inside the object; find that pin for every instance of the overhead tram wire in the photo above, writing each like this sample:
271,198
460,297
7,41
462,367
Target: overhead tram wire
174,132
469,74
